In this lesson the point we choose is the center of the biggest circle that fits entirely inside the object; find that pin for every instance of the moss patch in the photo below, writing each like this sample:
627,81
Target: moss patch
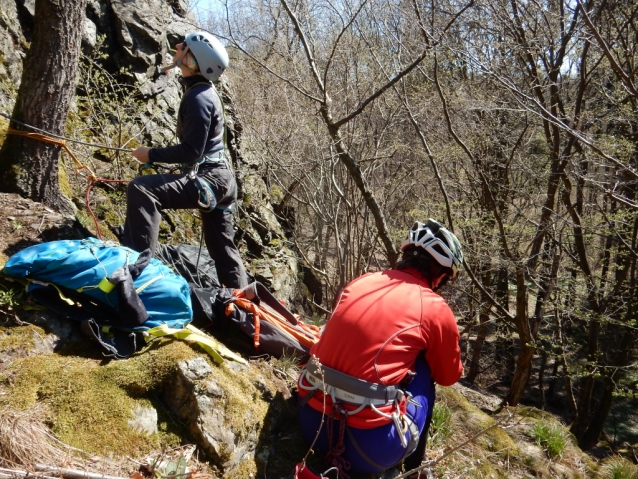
92,402
243,405
474,420
4,124
21,338
63,180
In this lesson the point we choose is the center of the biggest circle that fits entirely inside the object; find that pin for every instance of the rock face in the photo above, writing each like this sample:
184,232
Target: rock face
137,35
229,418
12,43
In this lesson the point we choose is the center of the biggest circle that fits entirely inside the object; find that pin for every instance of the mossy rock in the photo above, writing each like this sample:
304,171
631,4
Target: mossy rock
19,340
91,403
474,420
4,124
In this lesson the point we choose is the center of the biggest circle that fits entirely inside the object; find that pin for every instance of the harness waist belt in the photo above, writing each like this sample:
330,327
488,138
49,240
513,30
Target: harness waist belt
341,394
214,158
210,159
351,386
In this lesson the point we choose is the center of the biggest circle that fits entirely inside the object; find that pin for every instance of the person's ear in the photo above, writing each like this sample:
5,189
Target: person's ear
440,281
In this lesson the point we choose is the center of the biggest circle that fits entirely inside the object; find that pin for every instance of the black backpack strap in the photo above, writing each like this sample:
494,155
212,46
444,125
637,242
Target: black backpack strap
84,307
116,344
259,294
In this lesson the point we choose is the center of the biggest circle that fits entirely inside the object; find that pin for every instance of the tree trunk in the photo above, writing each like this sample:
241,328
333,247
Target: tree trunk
484,317
524,363
30,167
590,437
478,347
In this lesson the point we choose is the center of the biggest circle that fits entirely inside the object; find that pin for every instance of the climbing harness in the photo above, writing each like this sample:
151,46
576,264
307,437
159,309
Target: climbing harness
350,396
341,386
206,199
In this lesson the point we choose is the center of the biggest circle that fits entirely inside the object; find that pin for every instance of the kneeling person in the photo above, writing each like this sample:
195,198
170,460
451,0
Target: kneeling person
388,340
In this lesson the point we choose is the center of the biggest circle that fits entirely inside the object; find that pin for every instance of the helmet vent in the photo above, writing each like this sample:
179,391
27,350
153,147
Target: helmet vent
438,249
210,70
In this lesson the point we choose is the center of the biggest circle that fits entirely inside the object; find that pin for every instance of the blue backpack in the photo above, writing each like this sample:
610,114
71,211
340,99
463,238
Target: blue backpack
106,286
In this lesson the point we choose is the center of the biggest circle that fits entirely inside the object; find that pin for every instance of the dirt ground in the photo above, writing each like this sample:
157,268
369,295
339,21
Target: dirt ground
24,223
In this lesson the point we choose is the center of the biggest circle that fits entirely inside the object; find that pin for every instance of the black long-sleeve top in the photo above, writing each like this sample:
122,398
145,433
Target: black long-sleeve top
200,124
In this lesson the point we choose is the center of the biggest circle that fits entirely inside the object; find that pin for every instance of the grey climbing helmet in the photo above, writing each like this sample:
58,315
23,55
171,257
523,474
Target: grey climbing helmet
438,241
210,54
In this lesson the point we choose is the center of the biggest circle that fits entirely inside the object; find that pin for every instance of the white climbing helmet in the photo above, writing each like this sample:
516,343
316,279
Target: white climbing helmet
438,241
210,54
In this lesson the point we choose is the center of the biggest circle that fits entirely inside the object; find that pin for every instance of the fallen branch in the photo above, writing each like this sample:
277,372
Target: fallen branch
73,473
12,473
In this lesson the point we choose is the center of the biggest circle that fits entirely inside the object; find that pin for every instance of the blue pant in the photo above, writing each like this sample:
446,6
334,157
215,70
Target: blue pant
375,450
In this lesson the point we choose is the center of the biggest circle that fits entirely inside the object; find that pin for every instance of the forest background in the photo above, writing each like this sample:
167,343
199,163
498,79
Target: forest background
514,122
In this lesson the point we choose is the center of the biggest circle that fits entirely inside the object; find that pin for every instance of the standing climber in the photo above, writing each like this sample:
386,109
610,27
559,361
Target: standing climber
389,339
207,182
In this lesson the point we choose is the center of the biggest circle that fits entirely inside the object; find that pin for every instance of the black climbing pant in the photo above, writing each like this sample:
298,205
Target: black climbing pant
149,195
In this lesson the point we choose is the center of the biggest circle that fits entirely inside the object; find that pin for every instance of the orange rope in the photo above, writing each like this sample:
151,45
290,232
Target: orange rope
90,177
269,315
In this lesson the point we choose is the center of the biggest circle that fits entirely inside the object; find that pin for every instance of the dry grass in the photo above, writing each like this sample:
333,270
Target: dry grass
26,441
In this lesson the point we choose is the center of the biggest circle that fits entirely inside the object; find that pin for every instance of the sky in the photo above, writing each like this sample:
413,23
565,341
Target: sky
205,5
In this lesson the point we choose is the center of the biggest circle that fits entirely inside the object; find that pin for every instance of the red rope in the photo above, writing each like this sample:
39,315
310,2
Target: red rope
335,454
92,181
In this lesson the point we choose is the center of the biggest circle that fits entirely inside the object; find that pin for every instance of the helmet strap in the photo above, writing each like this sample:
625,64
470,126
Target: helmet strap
179,62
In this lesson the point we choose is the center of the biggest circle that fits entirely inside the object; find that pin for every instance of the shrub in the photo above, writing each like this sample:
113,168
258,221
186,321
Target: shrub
619,468
552,438
440,428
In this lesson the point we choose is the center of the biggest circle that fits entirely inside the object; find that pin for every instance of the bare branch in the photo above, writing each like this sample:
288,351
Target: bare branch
626,79
306,46
382,90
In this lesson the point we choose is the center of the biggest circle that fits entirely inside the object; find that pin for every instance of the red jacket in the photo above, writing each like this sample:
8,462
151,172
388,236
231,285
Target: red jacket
382,321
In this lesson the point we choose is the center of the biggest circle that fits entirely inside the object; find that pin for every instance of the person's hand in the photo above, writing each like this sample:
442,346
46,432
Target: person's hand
141,154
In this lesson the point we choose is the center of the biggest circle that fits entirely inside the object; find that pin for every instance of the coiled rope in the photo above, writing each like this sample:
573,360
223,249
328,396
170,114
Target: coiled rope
81,168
